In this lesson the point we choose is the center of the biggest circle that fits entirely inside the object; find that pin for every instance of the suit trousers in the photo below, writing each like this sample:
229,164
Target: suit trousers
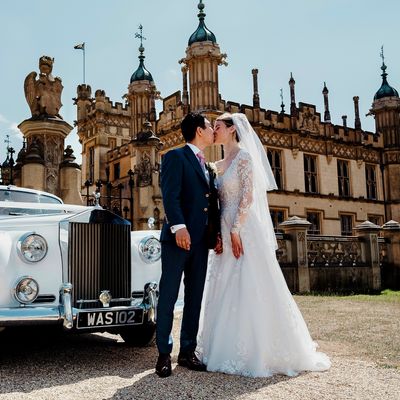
192,264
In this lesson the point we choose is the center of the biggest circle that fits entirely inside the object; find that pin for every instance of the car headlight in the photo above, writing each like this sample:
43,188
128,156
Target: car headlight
26,290
150,249
32,247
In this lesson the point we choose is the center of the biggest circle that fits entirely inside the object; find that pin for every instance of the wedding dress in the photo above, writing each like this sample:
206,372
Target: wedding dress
250,323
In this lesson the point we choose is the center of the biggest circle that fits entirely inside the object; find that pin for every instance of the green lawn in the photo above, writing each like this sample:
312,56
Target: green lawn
366,326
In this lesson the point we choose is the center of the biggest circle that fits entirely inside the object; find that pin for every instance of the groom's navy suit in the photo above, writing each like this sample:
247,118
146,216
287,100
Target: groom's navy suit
188,199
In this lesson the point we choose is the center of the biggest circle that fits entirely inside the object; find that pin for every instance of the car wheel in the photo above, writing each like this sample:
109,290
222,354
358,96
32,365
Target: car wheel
140,335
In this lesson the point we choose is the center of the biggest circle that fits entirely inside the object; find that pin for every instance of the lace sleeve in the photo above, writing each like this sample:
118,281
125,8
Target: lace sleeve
245,175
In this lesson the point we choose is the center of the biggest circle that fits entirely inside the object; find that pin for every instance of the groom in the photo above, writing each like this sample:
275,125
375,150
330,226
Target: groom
190,228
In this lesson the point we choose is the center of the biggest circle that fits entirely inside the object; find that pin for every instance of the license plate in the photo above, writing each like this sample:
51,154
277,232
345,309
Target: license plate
96,319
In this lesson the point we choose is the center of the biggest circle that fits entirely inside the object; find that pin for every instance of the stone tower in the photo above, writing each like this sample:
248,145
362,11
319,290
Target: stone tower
102,125
386,110
142,94
203,56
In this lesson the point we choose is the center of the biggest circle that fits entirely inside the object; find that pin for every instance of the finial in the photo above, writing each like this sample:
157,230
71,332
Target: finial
282,105
383,67
327,114
382,55
141,37
201,13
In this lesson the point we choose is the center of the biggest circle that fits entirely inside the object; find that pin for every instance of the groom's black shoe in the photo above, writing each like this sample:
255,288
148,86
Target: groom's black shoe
163,366
190,360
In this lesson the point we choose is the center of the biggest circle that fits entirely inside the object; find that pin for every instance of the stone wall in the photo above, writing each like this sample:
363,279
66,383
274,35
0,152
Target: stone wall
366,262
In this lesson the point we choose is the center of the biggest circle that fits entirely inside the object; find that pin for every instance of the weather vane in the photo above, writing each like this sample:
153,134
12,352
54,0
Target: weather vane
382,56
140,35
8,141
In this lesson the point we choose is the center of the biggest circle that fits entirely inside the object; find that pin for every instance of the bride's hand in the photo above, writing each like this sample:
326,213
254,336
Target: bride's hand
237,247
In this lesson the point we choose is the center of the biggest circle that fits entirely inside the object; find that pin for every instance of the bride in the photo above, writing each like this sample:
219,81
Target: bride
250,325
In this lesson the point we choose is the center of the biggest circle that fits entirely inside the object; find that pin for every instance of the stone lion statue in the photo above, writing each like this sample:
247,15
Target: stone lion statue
44,94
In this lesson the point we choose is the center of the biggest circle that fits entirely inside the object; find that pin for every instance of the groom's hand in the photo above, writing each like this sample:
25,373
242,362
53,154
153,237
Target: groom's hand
182,238
218,247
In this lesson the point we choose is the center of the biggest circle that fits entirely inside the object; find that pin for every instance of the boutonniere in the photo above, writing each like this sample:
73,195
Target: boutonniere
212,168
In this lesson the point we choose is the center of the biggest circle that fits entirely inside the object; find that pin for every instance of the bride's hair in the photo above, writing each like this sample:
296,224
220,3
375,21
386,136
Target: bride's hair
226,118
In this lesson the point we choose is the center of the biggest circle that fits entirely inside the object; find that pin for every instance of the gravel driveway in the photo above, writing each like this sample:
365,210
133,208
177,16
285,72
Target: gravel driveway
51,365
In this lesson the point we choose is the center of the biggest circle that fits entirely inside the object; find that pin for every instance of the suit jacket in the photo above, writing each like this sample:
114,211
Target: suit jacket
188,198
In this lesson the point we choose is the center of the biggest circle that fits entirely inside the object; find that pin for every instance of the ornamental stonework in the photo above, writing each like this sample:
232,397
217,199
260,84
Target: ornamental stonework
344,151
172,140
276,139
121,122
371,156
312,146
309,121
334,253
392,157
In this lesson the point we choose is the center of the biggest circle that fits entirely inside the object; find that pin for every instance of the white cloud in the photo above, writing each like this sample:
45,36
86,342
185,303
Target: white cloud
14,130
15,135
3,119
173,72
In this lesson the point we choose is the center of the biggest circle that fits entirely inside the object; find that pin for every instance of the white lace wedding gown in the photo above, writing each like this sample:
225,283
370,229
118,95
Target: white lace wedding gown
250,324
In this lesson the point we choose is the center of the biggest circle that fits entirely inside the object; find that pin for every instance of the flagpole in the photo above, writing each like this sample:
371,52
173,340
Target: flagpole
82,47
84,50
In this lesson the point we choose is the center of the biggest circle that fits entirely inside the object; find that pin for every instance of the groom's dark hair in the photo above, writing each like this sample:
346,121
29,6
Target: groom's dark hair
189,125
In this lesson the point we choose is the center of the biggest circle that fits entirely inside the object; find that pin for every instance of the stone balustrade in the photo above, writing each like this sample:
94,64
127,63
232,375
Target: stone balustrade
367,261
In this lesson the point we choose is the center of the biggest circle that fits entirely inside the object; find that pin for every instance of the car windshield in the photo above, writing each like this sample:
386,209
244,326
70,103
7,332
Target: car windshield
27,197
19,196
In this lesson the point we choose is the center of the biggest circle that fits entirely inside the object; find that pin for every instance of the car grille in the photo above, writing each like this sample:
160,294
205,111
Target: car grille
99,259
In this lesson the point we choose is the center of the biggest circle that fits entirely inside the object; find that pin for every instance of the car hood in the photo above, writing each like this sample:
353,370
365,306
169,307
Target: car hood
29,220
83,215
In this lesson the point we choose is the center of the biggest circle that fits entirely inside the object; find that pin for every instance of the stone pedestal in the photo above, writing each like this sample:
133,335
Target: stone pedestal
33,176
368,232
391,233
296,228
147,193
70,179
49,134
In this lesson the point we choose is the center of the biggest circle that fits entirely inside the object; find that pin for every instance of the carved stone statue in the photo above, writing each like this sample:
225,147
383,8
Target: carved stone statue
44,94
145,169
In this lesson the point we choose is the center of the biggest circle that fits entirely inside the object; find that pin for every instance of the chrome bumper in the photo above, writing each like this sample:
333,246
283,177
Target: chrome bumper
66,314
29,316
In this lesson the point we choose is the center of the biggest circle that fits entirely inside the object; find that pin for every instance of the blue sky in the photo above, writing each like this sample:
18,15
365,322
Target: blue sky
318,40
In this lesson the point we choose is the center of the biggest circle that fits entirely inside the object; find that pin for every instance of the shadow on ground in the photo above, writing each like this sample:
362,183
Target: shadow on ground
184,384
37,358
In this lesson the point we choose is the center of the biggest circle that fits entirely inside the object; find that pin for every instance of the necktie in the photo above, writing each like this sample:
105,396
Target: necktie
202,159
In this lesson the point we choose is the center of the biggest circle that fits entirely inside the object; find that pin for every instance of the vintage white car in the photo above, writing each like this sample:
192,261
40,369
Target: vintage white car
79,267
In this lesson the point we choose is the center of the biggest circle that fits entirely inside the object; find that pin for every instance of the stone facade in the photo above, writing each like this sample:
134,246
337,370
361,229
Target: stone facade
335,176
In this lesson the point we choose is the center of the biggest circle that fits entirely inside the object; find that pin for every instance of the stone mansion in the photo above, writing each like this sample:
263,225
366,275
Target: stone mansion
335,176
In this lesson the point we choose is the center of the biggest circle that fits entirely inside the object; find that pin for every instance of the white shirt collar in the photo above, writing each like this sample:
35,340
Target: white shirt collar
194,148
